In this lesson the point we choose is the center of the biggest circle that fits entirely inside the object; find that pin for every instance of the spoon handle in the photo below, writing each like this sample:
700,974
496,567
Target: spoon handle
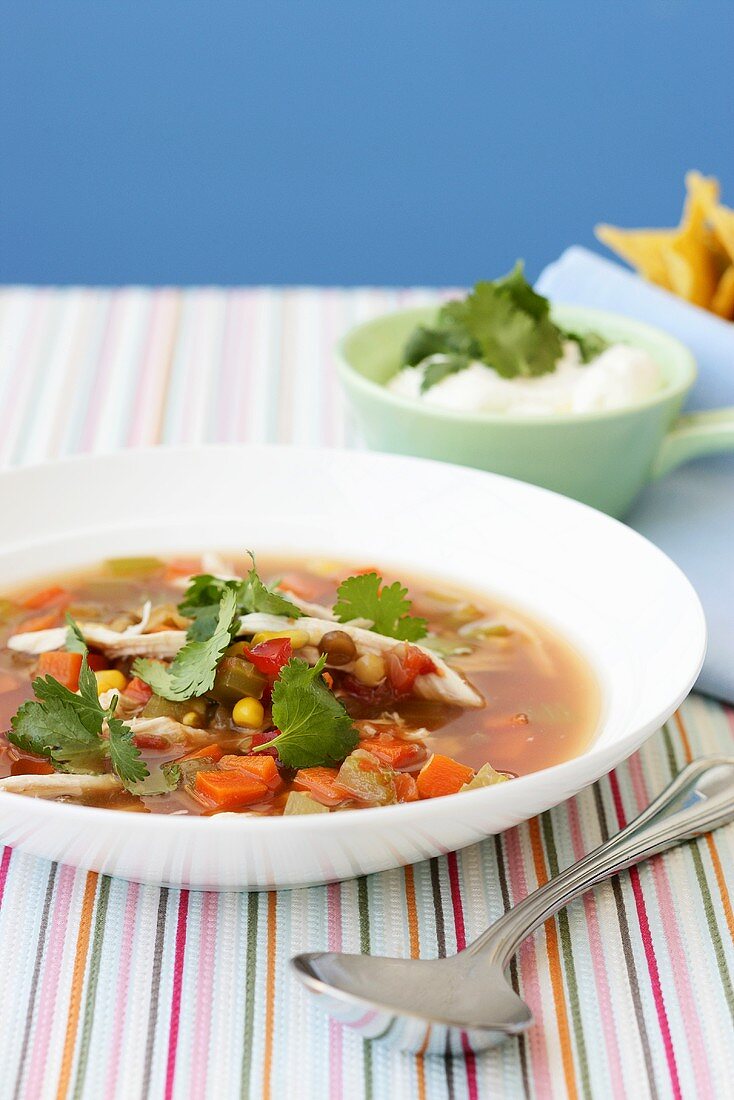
699,799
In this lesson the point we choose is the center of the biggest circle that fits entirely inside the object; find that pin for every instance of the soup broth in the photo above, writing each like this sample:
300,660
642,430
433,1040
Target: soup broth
523,698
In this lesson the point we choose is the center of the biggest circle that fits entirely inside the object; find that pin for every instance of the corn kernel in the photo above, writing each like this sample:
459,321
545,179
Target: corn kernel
109,679
298,638
191,718
369,669
248,713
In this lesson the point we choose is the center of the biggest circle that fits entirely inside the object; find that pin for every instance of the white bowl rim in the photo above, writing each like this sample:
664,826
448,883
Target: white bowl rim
408,814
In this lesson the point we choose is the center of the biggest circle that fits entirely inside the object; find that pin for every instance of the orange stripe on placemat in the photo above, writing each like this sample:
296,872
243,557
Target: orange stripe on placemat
710,843
77,984
270,993
415,947
554,965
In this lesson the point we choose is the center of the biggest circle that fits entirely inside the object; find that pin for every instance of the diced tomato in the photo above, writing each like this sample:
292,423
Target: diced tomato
262,739
378,697
405,663
395,752
320,784
97,662
62,666
208,752
264,767
47,597
151,741
304,587
269,657
229,790
442,775
137,691
42,622
406,787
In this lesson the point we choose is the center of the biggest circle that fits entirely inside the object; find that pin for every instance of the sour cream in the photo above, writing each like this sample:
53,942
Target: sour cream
621,376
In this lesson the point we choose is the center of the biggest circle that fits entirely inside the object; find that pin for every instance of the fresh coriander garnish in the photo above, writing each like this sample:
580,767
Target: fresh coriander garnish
66,727
203,596
366,597
505,324
194,667
314,728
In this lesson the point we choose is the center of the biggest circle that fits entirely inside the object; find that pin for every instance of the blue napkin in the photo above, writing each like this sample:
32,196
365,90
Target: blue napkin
690,513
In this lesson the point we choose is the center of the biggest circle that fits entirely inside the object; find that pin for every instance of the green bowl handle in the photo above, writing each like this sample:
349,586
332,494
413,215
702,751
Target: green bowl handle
693,435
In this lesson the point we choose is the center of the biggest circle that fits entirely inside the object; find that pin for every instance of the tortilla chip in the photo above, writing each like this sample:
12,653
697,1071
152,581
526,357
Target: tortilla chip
702,196
643,249
722,219
722,302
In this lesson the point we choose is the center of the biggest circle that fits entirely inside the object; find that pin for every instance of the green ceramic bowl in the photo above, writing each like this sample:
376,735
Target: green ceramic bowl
603,459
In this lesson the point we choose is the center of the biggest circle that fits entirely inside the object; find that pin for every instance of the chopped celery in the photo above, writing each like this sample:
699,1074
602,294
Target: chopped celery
301,803
485,777
364,778
158,707
235,679
133,567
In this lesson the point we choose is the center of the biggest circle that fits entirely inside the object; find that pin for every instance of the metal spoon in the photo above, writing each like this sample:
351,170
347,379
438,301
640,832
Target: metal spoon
465,1003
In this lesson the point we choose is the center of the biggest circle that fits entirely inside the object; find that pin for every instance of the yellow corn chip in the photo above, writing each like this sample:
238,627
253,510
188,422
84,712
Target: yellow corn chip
722,219
722,302
644,249
702,196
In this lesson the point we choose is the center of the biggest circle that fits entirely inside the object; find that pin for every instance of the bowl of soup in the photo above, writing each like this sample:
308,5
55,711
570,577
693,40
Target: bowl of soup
266,667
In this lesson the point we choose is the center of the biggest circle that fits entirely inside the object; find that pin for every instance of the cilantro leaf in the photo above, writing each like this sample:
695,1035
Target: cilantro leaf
125,757
74,638
194,667
365,597
259,597
203,597
66,727
315,729
590,344
505,324
439,368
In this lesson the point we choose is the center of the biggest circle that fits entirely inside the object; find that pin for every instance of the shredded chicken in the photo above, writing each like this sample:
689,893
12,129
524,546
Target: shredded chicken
445,685
59,784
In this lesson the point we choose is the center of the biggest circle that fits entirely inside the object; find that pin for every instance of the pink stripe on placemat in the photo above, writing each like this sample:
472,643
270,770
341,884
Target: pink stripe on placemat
178,963
204,992
334,909
4,866
123,975
650,957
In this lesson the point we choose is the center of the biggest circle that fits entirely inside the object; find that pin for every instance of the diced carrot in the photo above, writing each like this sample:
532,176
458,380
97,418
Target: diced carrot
442,775
137,691
365,569
62,666
304,587
264,767
97,662
228,790
7,683
181,567
47,597
208,752
319,782
328,679
406,787
42,622
395,752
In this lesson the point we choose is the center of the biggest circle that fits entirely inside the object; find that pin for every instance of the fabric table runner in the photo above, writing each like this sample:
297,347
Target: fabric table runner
111,989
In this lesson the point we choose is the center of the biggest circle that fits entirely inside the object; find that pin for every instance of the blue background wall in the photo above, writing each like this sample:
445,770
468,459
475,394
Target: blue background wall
330,141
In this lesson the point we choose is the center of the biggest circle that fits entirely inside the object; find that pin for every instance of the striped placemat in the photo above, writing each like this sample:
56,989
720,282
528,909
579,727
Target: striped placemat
110,989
